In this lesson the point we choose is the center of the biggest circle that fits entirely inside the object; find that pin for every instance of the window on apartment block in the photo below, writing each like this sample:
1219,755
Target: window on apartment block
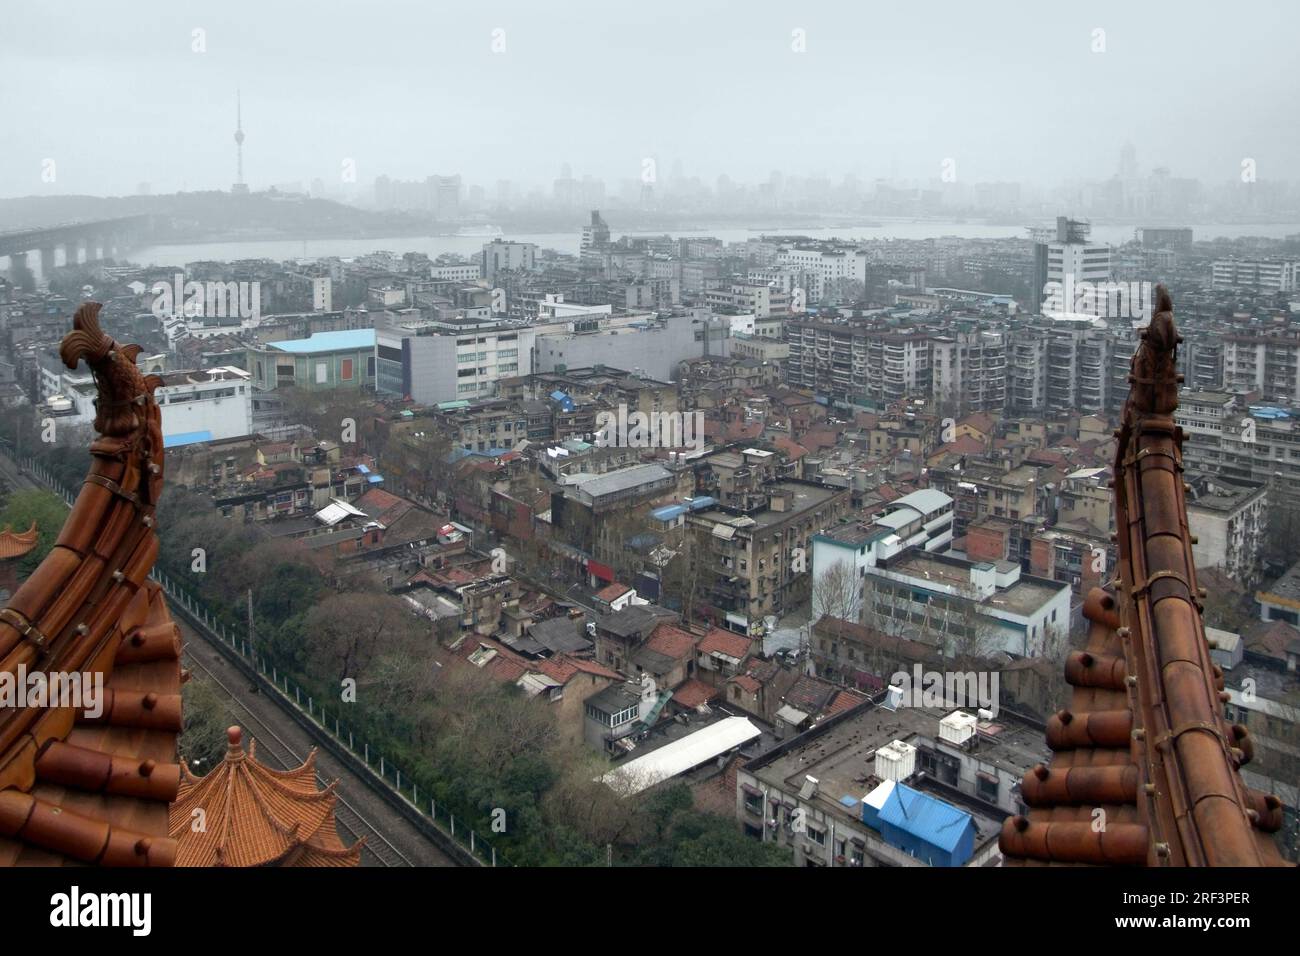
986,786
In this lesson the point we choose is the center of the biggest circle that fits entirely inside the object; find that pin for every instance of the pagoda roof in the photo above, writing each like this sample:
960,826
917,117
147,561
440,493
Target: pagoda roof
15,544
81,782
251,815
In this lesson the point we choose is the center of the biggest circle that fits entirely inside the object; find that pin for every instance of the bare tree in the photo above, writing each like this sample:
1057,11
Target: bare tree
837,593
969,637
349,632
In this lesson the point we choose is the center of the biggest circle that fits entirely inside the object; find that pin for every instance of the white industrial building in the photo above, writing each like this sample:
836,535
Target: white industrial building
205,405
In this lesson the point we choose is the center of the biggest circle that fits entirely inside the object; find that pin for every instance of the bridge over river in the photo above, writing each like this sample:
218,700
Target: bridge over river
43,249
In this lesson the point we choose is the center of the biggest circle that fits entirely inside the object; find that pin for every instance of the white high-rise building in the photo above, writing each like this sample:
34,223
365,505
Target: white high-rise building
1068,269
826,264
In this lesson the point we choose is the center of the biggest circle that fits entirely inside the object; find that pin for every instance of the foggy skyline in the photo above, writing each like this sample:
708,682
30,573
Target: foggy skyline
117,96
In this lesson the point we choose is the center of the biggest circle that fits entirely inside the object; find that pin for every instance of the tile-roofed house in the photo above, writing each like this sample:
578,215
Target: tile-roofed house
562,634
1144,739
759,689
667,655
620,633
694,693
720,653
1267,641
255,816
87,784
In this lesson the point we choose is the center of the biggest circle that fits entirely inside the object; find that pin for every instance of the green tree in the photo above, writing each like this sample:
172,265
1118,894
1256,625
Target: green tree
208,714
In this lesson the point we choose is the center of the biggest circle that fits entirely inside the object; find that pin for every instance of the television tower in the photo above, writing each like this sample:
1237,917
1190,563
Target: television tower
239,187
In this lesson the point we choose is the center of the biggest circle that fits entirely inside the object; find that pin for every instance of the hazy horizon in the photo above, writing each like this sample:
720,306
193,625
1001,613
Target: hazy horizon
1013,93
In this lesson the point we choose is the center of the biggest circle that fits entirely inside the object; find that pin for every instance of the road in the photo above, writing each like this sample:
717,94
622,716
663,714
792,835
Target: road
13,480
391,839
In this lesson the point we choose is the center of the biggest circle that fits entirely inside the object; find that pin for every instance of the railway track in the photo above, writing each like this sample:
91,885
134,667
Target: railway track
378,850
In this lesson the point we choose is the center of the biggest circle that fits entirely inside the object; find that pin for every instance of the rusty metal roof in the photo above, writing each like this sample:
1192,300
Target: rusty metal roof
1145,769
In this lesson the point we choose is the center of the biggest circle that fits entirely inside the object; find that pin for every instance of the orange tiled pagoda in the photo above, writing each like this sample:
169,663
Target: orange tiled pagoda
13,546
75,789
1145,767
243,813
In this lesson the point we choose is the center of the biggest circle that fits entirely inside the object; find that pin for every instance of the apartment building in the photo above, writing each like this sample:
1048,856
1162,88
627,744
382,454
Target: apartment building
1257,444
1227,520
754,563
1200,358
758,299
830,267
922,519
1078,366
500,256
1065,260
482,426
1266,364
999,489
887,785
963,606
1255,275
1027,370
455,359
969,369
854,364
456,272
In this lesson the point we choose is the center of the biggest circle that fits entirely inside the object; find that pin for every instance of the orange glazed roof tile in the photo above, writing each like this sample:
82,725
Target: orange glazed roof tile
15,544
1145,767
725,642
90,784
243,813
694,692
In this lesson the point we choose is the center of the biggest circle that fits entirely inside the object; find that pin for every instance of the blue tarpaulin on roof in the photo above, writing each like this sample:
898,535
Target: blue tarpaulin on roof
186,438
927,827
668,512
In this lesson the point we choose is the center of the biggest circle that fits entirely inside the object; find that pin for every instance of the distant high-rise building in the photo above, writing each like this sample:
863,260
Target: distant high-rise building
500,255
595,237
1128,162
1164,238
445,192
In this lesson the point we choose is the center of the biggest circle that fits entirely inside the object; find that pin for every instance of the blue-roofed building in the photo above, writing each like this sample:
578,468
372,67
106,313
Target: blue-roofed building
324,361
868,786
935,832
186,438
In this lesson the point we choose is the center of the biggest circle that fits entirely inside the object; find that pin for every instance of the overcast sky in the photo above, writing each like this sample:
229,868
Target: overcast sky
1010,90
